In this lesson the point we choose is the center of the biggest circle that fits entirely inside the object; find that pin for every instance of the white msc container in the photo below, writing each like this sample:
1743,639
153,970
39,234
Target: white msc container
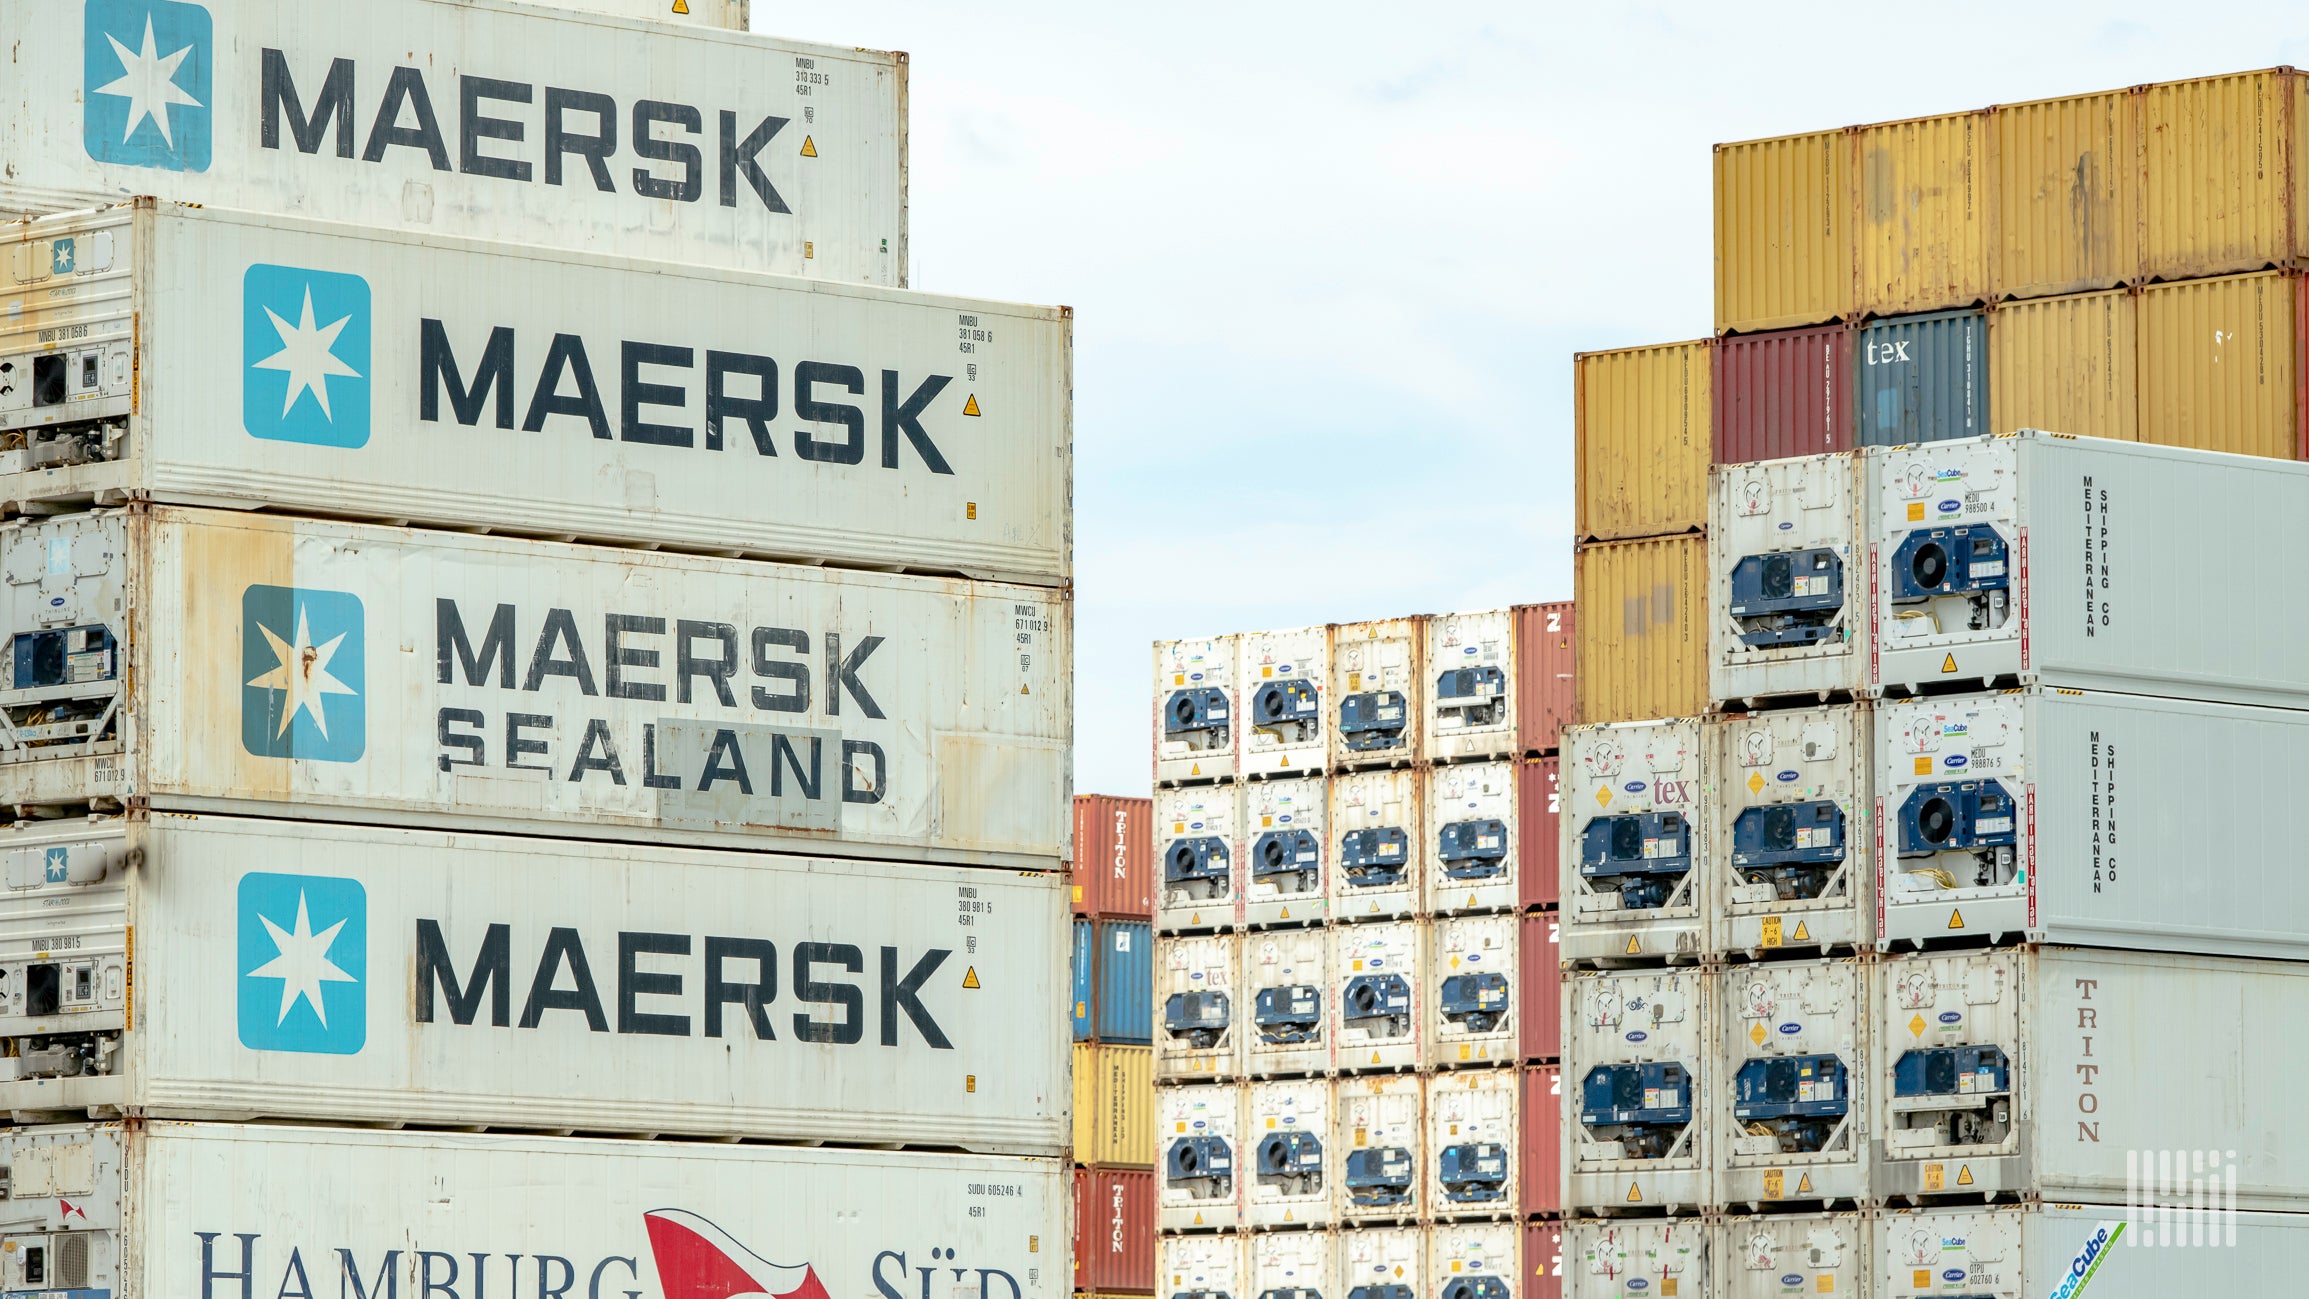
198,660
1470,1260
1639,1061
538,126
1294,1265
1790,580
1194,683
1376,826
2044,1072
1791,1100
1790,842
1384,1263
1286,990
1199,1011
103,1209
1198,850
1279,683
1283,826
1635,833
287,970
1377,995
1288,1132
1204,1265
729,15
1470,680
1808,1254
2088,563
1639,1259
1474,1164
1382,1149
1470,858
474,385
1475,977
2091,818
1198,1138
1378,699
2085,1251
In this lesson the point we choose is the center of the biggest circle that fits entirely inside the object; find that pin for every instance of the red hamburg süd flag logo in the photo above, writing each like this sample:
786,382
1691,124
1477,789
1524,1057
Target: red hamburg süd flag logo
697,1260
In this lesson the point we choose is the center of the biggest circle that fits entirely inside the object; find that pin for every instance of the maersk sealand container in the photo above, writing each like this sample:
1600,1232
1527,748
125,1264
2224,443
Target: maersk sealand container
539,126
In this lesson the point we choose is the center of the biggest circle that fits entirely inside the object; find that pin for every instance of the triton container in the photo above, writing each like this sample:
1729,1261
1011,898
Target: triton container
1199,1154
1791,1097
1198,853
1791,847
1288,1145
1114,1232
1113,841
1382,1149
1377,829
1194,683
1472,1170
1802,1254
1285,847
1474,979
1279,684
1639,1063
1377,995
464,384
1378,693
1471,686
196,660
2107,1251
1789,618
539,126
1638,1259
1472,859
1286,991
1198,1006
1635,835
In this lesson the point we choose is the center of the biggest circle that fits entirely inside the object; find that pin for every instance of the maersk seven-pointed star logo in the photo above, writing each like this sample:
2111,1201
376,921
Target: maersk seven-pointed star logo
305,356
149,99
303,672
303,959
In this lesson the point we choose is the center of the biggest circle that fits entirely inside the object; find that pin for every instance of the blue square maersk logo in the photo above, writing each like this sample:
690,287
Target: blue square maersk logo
303,674
305,356
303,958
148,92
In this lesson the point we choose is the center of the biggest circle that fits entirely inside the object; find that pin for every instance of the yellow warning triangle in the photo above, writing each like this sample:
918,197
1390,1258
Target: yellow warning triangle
1634,1196
1633,946
1197,771
1022,687
1471,899
1802,934
970,407
1374,1057
1198,1220
1964,1174
1955,918
970,977
1804,1184
1948,664
1286,913
809,147
1288,1216
681,6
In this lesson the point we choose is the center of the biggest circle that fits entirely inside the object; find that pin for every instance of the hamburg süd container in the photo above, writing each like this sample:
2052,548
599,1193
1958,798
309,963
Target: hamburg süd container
1539,832
1194,703
1474,1260
2088,563
1472,686
1472,857
1199,1009
1639,1258
1204,1263
2071,363
1287,991
2221,365
1640,442
1789,618
1384,1263
2222,180
1784,232
1123,996
1083,965
1280,688
1921,378
100,1209
2065,190
732,16
1475,1008
1542,1138
2054,1073
1639,1063
1792,841
539,126
1378,693
1294,1265
1382,1149
1543,677
1288,1144
1636,833
1542,1261
402,407
1782,394
1800,1254
1792,1093
200,660
1376,823
1200,1148
1473,1169
1922,224
1643,628
1113,849
1539,1004
1114,1105
1377,996
1283,830
1114,1231
2119,1251
1198,851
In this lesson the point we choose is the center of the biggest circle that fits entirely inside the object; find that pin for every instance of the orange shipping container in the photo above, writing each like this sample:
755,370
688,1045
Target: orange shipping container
2067,364
2221,365
2222,174
1642,629
1921,214
1113,869
1640,441
1783,232
1543,700
2066,194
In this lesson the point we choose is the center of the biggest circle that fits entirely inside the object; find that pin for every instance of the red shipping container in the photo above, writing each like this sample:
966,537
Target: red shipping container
1542,1142
1113,874
1542,993
1114,1230
1539,822
1785,393
1543,1260
1543,697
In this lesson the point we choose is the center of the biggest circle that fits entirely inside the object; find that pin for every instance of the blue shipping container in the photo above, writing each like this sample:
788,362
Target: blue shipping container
1125,1010
1085,966
1921,379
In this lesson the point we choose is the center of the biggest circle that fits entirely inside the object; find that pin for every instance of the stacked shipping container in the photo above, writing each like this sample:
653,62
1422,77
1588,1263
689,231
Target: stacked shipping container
1114,955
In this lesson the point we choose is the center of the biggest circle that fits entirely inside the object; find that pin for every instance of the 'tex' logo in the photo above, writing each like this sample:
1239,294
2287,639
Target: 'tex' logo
305,356
303,674
149,84
303,956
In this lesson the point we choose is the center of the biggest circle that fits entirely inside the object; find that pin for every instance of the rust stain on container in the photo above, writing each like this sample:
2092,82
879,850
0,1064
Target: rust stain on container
1782,394
2066,364
2221,366
1543,659
1783,231
2221,167
1640,443
1921,213
2067,194
1642,636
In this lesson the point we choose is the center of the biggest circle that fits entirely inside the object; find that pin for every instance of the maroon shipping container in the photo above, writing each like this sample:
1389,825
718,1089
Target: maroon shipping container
1114,1230
1542,993
1539,819
1113,857
1542,1142
1543,697
1786,393
1543,1260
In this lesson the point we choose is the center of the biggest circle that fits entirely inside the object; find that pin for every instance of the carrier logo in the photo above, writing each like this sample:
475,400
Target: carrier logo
56,867
305,356
303,674
697,1260
303,961
147,67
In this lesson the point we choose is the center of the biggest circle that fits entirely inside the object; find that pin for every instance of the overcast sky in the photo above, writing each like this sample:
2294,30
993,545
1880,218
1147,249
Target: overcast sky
1330,261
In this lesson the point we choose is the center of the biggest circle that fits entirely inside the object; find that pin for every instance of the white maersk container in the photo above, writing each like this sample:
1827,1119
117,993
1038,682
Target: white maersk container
1199,1130
1790,586
1211,1266
1635,835
2092,818
1289,1147
1283,824
1376,821
1199,1011
1470,680
2046,1072
1469,1260
1474,1156
335,973
1790,844
1475,977
1375,1261
102,1209
1639,1062
2084,1251
1639,1259
2088,563
1198,852
476,385
1809,1254
1377,995
1382,1149
1470,860
1792,1096
1279,683
207,661
1293,1265
1194,682
1286,989
1377,699
539,126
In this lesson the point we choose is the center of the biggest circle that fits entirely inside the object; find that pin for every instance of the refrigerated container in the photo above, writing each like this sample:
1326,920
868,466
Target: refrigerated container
1474,1260
1286,844
1541,1008
1382,1148
1377,996
729,15
1279,686
1789,579
1921,378
1198,852
1643,628
1793,1089
1793,849
1639,1062
1784,228
1113,854
1199,1135
1542,1141
1923,227
1288,989
1377,829
2065,192
1784,393
1640,441
1802,1254
1198,1006
1539,832
1639,1259
1636,833
1114,1230
1476,1003
1471,857
1384,1263
1114,1105
1378,693
1194,710
1122,1009
1543,679
1473,1170
1473,683
1294,1265
1202,1264
2107,1251
1291,1148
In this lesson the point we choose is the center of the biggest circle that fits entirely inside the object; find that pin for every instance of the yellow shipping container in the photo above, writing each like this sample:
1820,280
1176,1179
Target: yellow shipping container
1783,231
1114,1105
1641,622
2066,364
2221,189
1922,213
2221,366
1640,442
2067,194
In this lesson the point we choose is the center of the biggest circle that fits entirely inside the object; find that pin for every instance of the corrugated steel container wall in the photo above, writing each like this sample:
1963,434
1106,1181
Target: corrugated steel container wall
1543,664
1643,630
1540,1000
1783,231
1542,1140
1114,1106
1542,1261
1113,857
1125,1008
2067,194
728,15
1538,823
1641,444
1083,966
1922,219
2219,193
2066,364
1784,393
1114,1230
2221,365
1921,379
